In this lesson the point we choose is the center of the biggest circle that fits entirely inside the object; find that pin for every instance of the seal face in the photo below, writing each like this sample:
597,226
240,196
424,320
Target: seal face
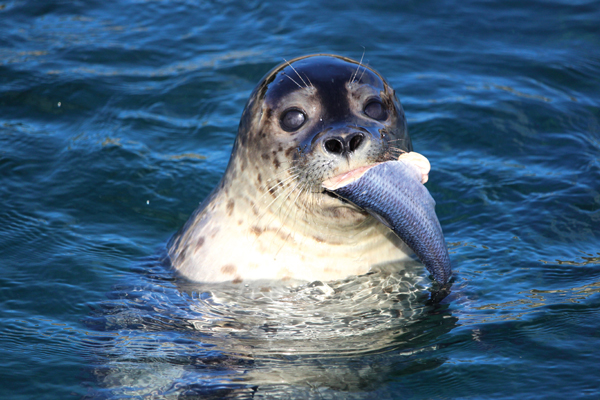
308,120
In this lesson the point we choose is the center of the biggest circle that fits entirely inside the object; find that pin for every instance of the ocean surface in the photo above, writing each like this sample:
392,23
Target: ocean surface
118,117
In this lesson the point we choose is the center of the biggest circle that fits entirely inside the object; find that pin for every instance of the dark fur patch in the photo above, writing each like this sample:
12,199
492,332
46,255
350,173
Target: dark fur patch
282,235
256,230
259,178
265,156
254,208
200,242
230,206
237,280
289,151
228,269
183,253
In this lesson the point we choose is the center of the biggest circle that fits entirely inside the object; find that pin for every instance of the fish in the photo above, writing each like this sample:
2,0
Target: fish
394,193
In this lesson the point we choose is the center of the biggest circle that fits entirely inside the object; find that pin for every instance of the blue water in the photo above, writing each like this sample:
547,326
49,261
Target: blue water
117,118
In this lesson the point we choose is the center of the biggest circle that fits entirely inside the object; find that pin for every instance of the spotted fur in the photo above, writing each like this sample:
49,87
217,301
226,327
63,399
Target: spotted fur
269,218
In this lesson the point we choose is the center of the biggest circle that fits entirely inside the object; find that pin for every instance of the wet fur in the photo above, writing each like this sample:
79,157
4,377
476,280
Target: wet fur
269,218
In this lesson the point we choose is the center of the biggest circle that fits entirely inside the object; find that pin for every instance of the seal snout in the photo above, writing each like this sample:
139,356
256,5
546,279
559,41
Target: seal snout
342,145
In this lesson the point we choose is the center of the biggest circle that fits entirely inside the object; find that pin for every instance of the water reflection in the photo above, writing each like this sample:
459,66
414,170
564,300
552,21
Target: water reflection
167,336
560,283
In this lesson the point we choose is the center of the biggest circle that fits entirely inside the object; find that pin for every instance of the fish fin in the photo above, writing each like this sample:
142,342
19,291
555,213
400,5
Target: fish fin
379,218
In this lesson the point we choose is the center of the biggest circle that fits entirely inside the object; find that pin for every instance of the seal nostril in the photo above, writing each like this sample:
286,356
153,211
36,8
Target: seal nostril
334,146
355,142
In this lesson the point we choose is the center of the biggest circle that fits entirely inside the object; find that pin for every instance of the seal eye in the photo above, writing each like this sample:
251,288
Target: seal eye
375,110
292,119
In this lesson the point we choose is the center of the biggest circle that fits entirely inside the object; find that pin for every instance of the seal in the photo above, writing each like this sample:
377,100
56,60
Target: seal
308,120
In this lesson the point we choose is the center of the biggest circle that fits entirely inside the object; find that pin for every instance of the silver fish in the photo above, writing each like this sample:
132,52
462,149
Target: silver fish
393,193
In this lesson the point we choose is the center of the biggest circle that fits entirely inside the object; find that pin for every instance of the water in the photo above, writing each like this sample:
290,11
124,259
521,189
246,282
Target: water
117,118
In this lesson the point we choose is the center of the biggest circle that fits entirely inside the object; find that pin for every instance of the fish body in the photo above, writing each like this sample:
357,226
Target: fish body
393,193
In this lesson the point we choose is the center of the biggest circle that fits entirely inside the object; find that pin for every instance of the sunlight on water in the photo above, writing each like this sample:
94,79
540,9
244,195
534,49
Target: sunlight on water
117,119
286,333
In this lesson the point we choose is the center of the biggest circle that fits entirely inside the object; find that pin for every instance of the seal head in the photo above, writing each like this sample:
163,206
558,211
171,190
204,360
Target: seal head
308,120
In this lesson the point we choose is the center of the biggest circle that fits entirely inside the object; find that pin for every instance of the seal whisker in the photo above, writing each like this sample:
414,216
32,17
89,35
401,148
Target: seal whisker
267,208
293,173
300,86
272,188
284,180
286,195
364,70
358,66
397,150
294,220
290,171
283,220
286,198
311,85
293,168
395,140
282,183
294,69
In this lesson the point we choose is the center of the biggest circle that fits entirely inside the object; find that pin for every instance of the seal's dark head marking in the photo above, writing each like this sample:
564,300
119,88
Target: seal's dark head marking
331,92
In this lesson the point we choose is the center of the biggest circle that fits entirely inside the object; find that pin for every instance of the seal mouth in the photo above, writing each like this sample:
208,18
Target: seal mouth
346,178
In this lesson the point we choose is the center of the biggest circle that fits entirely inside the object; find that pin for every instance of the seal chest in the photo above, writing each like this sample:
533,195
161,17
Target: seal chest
308,120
